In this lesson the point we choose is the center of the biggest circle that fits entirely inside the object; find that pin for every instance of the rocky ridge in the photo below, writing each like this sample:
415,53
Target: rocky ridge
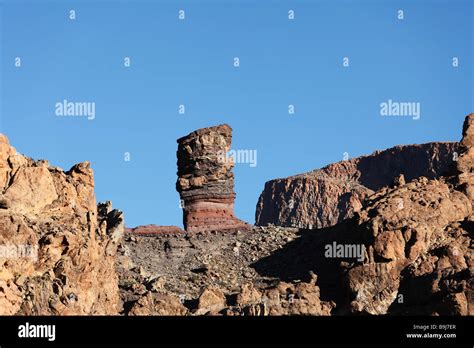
327,196
407,249
414,231
58,248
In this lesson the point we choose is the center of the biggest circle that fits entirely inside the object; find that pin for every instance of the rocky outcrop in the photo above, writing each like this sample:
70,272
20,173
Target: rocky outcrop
285,298
407,250
398,241
324,197
151,230
465,162
205,180
415,249
418,251
58,248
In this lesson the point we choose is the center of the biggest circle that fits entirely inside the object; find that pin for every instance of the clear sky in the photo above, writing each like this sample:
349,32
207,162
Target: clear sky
190,62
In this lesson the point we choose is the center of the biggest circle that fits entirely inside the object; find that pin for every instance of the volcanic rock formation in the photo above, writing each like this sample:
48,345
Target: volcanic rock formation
205,180
414,237
417,242
58,248
324,197
465,162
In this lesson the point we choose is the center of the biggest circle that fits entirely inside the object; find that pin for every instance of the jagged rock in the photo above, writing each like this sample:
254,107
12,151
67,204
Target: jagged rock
49,217
408,208
211,301
399,228
283,299
157,284
465,162
248,295
418,247
112,224
399,181
324,197
158,303
205,180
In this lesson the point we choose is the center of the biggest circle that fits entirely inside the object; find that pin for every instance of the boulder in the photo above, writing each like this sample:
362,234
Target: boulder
158,303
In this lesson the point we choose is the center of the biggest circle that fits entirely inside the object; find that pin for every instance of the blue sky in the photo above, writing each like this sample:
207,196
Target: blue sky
190,62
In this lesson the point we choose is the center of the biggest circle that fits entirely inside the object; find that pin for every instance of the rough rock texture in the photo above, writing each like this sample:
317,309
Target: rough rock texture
211,301
417,245
414,235
465,163
70,267
205,180
153,229
158,303
214,274
324,197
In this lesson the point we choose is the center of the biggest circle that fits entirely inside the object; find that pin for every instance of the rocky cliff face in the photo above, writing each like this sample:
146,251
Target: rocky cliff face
205,180
465,163
418,251
57,247
418,241
398,239
329,195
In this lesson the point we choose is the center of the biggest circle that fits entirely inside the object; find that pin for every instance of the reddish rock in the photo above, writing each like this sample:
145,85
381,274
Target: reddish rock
150,230
324,197
205,180
211,301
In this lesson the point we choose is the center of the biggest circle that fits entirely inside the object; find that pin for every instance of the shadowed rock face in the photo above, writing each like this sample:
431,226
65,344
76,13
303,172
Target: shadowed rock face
70,269
417,243
205,180
324,197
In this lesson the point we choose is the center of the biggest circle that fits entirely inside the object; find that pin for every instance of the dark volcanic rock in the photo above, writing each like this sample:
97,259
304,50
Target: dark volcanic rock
205,180
329,195
407,250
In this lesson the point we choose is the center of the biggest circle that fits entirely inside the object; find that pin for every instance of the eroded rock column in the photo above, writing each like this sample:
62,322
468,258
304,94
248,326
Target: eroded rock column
205,180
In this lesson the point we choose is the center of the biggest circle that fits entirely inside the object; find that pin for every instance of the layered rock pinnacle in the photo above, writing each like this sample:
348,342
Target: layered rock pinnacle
205,180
